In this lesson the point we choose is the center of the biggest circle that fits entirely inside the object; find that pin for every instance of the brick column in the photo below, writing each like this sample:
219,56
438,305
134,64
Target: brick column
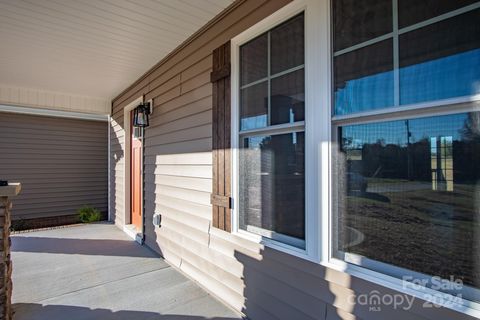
5,263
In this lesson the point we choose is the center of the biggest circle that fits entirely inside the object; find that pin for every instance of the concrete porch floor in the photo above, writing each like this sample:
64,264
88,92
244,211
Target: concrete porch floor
96,272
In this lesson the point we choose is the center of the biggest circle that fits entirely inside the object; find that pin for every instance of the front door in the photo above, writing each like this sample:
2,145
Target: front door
136,177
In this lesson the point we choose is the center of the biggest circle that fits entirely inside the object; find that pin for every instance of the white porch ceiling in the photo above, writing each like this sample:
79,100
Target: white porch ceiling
93,48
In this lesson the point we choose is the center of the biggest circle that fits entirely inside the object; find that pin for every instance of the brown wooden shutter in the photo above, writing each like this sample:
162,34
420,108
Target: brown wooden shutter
221,193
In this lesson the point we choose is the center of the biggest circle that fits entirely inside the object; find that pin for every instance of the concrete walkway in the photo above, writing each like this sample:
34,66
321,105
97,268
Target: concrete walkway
96,272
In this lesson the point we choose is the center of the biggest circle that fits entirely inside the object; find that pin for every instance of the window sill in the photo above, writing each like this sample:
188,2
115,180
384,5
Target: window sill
276,245
431,298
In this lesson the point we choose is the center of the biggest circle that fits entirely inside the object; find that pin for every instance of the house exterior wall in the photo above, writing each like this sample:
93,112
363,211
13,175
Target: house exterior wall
261,282
62,164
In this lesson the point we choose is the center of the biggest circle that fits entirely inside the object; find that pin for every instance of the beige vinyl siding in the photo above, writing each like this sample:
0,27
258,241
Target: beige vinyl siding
261,282
61,163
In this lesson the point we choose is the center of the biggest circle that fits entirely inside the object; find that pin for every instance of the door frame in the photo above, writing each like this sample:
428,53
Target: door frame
139,237
138,224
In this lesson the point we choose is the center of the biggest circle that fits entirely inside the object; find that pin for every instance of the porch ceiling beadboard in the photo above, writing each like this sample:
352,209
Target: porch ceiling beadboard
86,52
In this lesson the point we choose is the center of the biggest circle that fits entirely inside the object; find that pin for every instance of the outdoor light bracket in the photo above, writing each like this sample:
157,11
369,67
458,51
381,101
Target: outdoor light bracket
148,107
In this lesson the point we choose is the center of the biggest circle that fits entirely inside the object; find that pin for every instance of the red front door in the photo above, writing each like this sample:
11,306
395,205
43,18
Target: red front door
136,179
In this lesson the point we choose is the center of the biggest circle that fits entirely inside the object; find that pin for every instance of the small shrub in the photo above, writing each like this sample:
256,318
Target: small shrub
89,214
18,225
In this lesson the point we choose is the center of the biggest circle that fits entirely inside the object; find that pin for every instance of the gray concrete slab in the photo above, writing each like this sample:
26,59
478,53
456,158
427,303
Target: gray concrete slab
96,272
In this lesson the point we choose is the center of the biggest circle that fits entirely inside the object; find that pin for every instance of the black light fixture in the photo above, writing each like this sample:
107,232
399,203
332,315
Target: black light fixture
140,115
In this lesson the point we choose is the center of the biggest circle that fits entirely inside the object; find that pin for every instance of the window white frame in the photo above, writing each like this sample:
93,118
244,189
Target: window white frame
313,136
318,145
381,273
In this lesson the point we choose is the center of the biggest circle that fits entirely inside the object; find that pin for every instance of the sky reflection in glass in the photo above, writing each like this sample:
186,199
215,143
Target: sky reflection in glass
364,94
452,76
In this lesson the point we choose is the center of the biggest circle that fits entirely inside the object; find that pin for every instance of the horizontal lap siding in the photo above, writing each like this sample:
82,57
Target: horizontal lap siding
263,283
61,163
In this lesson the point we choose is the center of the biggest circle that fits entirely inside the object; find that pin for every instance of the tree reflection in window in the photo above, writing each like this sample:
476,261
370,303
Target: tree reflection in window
410,194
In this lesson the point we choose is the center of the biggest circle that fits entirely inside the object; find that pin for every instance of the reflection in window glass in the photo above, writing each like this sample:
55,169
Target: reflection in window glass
407,194
285,103
254,60
254,106
272,191
441,60
288,98
434,59
287,45
414,11
357,21
364,79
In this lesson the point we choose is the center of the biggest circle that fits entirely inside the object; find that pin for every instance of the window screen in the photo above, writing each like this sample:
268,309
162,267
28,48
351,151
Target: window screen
272,138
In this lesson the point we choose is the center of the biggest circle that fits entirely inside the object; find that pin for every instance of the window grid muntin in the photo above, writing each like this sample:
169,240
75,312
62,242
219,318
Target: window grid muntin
394,35
413,27
273,76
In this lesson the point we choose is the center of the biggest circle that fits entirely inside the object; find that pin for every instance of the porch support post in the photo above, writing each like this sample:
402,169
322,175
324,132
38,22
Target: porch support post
5,263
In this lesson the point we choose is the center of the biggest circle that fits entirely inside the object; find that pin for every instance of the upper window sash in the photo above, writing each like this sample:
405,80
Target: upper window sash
272,76
392,80
408,28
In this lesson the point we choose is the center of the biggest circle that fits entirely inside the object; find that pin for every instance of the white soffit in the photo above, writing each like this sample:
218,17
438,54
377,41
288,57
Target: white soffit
92,48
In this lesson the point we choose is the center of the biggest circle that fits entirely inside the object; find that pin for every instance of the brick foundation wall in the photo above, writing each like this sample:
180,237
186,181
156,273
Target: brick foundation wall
5,262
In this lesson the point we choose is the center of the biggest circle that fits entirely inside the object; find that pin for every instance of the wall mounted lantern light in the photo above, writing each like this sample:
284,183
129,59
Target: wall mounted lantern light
140,115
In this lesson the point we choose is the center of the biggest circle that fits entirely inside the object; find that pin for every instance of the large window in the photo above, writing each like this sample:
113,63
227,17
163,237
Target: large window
406,130
271,134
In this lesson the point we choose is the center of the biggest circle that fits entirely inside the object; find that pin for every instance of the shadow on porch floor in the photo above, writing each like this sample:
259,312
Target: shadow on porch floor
96,272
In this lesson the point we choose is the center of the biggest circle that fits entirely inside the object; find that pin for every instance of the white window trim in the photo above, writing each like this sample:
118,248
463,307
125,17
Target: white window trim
318,166
311,11
417,110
